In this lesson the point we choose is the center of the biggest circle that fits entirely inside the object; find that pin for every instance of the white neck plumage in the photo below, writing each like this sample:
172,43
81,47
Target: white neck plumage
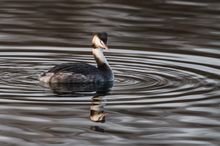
100,58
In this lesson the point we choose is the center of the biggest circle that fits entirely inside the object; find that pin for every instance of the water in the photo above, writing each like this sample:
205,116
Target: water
166,60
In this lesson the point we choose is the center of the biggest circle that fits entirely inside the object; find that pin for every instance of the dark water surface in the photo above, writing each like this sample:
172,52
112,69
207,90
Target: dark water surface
165,56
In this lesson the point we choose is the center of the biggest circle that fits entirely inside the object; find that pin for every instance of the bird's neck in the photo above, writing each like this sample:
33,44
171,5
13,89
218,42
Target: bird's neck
101,61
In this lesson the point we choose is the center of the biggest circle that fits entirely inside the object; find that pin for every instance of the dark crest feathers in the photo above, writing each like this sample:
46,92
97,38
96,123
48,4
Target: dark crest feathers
103,36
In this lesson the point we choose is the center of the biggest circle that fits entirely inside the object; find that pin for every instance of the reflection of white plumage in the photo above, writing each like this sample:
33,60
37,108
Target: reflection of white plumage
97,113
83,73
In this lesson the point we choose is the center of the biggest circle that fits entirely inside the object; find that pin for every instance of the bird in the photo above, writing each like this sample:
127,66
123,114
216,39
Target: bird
83,72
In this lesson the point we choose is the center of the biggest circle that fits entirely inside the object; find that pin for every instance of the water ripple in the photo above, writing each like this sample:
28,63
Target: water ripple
165,59
156,77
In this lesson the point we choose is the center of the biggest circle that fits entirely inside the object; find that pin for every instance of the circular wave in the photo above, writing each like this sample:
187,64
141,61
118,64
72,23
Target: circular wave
144,77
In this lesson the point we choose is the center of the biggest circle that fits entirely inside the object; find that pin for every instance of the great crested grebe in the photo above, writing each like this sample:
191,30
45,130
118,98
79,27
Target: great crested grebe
82,72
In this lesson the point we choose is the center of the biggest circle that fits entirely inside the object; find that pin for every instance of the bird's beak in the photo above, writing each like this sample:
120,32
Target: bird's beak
103,45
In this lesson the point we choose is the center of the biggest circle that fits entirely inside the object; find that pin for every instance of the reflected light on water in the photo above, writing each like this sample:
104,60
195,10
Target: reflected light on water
164,54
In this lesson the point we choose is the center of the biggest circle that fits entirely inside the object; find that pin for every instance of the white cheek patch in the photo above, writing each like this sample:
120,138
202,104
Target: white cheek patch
98,43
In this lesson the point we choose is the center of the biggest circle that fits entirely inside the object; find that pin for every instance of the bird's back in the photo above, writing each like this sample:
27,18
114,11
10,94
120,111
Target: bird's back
81,68
72,73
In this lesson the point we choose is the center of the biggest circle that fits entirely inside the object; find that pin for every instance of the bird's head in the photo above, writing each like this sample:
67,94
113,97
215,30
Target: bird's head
99,40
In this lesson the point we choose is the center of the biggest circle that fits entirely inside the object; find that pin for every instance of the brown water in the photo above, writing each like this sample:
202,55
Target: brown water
165,56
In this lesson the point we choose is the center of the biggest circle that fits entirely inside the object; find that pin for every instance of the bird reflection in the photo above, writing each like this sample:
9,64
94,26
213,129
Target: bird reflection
97,112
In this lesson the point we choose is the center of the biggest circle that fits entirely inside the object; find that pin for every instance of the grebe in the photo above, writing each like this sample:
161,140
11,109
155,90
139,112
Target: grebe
81,72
